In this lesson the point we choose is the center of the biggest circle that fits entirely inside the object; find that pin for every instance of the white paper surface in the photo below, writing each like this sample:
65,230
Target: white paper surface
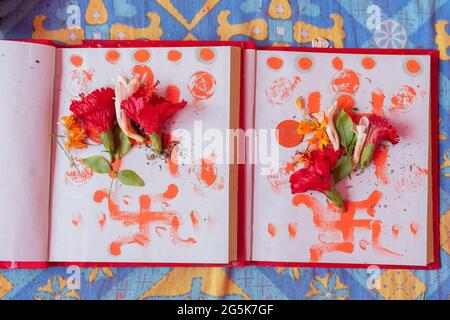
296,233
26,97
83,229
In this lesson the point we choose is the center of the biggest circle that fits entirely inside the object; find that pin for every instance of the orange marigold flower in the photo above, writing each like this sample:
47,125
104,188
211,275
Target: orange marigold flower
75,134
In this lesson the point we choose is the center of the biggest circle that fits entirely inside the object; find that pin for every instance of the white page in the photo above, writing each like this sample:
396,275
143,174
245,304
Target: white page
76,230
26,94
298,235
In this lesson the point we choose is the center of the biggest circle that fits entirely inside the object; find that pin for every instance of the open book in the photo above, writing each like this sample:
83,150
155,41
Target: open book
211,200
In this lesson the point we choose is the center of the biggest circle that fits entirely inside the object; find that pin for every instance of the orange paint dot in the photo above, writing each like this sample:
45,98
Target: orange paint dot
112,56
143,72
271,229
141,55
173,93
274,63
368,63
413,66
292,229
76,60
287,135
337,63
207,54
305,63
172,191
174,55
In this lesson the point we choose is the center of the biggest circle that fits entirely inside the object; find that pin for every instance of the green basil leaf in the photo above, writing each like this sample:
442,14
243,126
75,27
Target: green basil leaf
335,197
124,144
98,164
344,127
367,155
130,178
343,168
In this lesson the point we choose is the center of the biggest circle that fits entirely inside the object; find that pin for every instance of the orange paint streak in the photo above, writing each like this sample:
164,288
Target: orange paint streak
380,162
275,63
143,72
292,229
76,60
194,218
395,230
413,66
305,63
378,102
287,135
141,55
337,63
173,93
414,227
174,55
271,230
314,102
172,163
368,63
207,54
102,220
112,56
208,173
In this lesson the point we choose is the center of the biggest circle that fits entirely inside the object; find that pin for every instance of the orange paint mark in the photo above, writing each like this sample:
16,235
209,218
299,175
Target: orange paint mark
337,63
271,230
363,244
112,56
413,66
380,162
414,227
275,63
115,166
208,173
173,93
335,220
174,55
76,219
378,102
345,102
292,229
202,85
207,54
194,218
345,81
287,135
368,63
402,100
144,218
395,230
143,72
141,55
76,60
314,102
305,63
102,220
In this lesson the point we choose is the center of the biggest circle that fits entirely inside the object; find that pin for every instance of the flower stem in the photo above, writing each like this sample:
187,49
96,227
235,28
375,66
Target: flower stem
67,154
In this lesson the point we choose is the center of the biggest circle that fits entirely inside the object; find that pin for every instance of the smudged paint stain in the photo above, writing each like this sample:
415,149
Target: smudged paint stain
402,100
287,135
274,63
126,199
345,81
414,227
278,178
272,230
143,73
206,175
78,175
101,219
363,244
395,230
202,85
314,102
194,218
77,218
337,63
378,102
144,218
380,161
333,220
292,230
79,82
412,179
280,90
112,56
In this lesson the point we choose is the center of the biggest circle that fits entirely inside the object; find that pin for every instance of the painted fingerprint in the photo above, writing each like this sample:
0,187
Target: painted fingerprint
345,81
402,100
202,85
280,90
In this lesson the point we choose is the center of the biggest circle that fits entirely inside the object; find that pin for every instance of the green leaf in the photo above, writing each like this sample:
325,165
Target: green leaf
335,197
108,141
343,168
130,178
367,155
344,127
124,144
156,142
98,164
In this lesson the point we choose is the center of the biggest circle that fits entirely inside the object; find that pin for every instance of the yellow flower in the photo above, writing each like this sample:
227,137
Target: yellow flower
75,134
320,139
318,128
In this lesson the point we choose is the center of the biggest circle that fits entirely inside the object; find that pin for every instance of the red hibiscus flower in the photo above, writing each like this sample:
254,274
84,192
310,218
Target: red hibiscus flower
380,129
95,110
317,175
